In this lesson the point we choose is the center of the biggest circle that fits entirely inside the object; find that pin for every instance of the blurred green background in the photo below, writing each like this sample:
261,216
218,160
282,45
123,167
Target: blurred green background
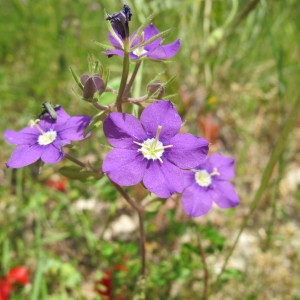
237,75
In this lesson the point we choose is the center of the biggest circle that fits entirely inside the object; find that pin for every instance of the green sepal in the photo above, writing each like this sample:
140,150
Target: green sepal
95,66
159,35
104,46
96,122
164,85
142,27
77,79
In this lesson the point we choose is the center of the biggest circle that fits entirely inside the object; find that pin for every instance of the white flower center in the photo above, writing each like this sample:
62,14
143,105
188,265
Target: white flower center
153,148
47,138
139,51
203,178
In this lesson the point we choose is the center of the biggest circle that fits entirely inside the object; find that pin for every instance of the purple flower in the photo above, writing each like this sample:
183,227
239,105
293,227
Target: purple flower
151,149
44,139
154,50
208,183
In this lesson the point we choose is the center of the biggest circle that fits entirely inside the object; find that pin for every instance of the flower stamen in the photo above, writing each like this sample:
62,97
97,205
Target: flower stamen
153,148
34,123
45,138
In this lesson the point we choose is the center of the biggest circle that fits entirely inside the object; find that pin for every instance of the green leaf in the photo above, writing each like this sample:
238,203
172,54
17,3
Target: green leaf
55,238
74,172
231,274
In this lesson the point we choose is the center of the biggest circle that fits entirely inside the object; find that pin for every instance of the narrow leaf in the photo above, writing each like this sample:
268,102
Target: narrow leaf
76,78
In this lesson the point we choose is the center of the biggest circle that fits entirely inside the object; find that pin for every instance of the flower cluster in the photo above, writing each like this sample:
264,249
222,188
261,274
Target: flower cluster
150,150
44,139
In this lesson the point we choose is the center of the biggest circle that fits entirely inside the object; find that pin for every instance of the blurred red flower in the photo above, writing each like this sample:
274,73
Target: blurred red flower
59,184
104,286
5,289
16,275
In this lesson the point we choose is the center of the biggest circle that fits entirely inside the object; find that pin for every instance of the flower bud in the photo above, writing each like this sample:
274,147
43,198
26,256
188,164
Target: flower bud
91,85
156,90
119,21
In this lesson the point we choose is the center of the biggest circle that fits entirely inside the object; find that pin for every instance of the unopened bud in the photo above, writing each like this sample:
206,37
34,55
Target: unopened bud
156,90
119,21
91,85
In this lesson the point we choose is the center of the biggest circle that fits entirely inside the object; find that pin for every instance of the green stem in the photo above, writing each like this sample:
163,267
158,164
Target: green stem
124,77
278,149
132,78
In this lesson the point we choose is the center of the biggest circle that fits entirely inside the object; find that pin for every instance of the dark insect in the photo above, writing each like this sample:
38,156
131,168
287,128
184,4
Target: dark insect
50,110
120,21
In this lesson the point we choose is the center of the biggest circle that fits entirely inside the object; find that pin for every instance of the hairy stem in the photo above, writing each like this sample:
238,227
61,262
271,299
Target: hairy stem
124,78
75,160
132,78
86,166
140,211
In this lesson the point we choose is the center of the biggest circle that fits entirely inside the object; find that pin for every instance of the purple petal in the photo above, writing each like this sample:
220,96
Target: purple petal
163,179
113,41
62,116
133,56
24,155
224,165
124,167
161,113
188,178
48,123
164,52
149,32
196,201
121,130
224,195
52,154
74,128
114,52
26,136
188,151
